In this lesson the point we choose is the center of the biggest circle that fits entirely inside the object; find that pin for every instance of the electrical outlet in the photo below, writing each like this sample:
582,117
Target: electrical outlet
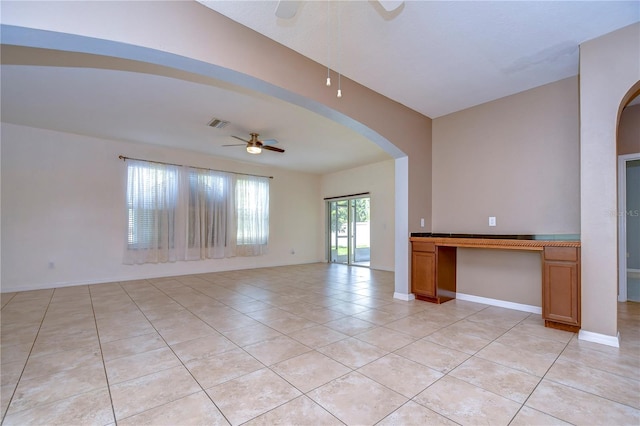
422,222
492,221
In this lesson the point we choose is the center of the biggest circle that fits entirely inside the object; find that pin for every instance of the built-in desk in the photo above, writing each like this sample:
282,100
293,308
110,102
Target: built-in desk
433,269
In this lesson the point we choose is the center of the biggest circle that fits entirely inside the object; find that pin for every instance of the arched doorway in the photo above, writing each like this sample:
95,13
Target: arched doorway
628,150
183,51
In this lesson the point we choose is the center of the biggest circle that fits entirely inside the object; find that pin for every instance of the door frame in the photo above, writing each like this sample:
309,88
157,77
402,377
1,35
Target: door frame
622,223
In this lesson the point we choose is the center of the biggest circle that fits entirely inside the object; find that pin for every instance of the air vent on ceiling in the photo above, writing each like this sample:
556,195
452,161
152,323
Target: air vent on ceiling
217,123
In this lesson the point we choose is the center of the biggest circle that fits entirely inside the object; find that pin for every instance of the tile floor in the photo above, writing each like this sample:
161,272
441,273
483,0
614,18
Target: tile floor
307,345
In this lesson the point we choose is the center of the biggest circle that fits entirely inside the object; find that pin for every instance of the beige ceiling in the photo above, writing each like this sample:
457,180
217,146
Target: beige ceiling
435,57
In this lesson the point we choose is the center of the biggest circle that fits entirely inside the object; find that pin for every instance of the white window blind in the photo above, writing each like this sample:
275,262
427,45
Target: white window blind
152,201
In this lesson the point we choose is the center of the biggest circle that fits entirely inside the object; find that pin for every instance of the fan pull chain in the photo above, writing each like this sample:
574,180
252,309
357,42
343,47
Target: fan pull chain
328,43
339,95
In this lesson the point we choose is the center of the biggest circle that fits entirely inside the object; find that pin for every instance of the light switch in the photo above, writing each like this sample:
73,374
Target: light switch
492,221
422,222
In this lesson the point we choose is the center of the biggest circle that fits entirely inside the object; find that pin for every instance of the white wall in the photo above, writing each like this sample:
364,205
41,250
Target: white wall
377,179
63,202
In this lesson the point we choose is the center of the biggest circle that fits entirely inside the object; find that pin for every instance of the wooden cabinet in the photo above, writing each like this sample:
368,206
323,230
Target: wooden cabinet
561,287
423,271
433,272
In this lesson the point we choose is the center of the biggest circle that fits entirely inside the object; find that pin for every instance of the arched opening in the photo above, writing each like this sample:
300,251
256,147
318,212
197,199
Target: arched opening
158,62
628,213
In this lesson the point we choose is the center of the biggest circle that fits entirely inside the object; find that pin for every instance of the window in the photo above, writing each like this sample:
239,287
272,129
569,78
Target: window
151,202
208,207
252,208
181,213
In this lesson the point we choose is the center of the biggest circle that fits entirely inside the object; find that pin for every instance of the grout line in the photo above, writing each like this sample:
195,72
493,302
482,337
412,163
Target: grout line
35,339
229,286
202,389
269,367
13,294
177,357
104,365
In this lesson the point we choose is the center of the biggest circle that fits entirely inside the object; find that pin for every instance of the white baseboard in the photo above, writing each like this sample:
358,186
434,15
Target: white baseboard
603,339
137,276
501,303
403,296
59,284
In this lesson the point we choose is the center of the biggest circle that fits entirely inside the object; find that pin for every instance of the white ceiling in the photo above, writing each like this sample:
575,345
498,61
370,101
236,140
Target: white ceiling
434,57
153,109
438,57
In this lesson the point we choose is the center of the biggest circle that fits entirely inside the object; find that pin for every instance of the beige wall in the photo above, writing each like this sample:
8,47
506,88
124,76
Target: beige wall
609,70
503,275
629,131
516,158
186,29
378,180
63,200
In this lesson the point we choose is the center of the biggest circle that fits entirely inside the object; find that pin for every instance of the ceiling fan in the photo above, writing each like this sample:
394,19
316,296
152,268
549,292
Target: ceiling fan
255,146
287,9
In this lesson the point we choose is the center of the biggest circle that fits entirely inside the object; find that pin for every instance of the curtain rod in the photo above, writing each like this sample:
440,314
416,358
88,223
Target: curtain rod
123,158
346,196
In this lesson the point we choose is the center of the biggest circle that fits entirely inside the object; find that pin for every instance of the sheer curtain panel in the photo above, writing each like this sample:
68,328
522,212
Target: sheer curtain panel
211,226
183,213
252,208
154,213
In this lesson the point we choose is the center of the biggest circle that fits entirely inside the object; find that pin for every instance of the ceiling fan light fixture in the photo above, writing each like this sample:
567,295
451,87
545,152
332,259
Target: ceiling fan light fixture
254,149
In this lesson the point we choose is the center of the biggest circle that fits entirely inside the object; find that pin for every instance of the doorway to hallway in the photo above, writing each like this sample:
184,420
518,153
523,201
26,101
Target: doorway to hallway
349,230
629,227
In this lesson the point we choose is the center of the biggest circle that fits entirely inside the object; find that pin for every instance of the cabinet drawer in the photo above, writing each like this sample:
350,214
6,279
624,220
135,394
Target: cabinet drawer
420,246
567,254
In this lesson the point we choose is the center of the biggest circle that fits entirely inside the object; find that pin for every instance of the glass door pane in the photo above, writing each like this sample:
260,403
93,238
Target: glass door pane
349,231
333,232
361,232
339,231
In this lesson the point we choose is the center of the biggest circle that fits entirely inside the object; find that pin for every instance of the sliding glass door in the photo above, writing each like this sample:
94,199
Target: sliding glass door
349,223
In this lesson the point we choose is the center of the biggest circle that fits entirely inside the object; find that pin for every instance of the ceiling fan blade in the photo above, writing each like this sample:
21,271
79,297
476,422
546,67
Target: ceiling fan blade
269,141
287,9
236,144
272,148
239,138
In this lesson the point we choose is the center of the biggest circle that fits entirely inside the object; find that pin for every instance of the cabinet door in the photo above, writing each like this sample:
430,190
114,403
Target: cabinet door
423,273
561,292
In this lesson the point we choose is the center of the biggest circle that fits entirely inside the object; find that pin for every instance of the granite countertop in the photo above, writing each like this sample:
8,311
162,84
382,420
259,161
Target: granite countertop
537,237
